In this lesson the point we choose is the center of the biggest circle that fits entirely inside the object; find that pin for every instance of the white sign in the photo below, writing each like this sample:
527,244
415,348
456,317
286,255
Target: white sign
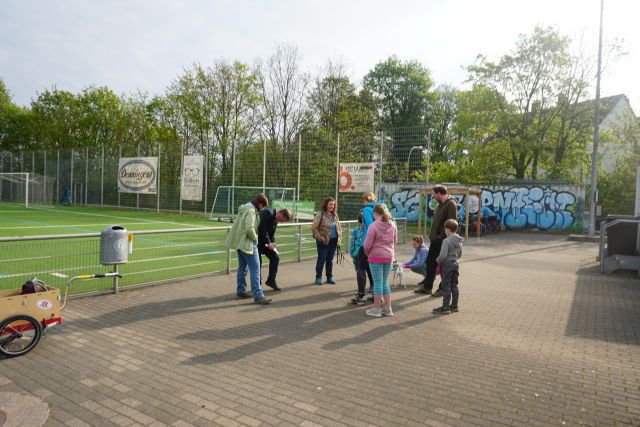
356,177
138,175
192,178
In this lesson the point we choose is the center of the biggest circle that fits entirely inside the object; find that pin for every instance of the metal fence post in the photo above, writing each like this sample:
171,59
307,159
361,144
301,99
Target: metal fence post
181,173
119,156
337,167
58,176
158,181
72,189
102,177
295,211
299,242
228,254
86,175
381,155
138,194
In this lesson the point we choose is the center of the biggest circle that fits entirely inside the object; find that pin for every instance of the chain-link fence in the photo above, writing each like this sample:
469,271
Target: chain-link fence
309,163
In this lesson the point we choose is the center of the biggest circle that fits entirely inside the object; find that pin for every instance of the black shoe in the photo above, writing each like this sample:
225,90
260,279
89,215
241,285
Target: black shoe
422,290
454,308
437,294
422,282
442,310
244,296
370,298
262,301
272,285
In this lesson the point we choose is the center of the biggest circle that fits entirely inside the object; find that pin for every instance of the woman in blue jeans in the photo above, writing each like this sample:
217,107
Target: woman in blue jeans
327,231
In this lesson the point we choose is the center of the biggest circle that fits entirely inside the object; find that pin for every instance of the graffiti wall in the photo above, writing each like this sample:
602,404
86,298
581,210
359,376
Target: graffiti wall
542,207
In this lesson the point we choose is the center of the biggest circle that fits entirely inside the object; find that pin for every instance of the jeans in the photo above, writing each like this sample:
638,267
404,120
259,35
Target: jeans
325,257
450,271
434,251
250,263
380,273
362,271
274,260
419,269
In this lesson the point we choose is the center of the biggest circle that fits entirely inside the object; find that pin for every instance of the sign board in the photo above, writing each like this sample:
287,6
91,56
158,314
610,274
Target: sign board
356,177
305,209
138,175
191,188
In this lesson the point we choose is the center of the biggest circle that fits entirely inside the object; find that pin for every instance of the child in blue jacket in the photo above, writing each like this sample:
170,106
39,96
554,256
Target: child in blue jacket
418,264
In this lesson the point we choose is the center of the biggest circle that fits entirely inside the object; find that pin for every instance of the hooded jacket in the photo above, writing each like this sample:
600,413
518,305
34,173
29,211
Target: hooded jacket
243,235
451,249
381,240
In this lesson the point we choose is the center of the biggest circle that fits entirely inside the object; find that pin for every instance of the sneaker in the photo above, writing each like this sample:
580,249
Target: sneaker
387,313
358,299
422,290
370,298
318,281
330,281
453,308
437,294
262,301
442,310
373,312
272,285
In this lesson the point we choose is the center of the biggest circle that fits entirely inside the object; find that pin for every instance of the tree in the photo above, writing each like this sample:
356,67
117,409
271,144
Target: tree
530,81
56,119
402,94
283,112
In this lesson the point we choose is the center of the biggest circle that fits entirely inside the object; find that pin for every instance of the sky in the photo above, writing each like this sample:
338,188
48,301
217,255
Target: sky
142,45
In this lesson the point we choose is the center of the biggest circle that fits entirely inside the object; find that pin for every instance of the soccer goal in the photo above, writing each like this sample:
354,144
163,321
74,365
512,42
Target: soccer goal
26,188
229,198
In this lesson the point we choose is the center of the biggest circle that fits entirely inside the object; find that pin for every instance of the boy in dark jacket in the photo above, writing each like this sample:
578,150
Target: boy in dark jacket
269,219
450,252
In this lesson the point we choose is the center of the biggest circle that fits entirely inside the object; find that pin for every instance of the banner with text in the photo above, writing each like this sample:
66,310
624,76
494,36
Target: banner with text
356,177
192,178
138,175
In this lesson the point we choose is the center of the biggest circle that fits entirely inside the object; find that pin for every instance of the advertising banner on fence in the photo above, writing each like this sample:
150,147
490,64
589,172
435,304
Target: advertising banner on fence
138,175
192,178
303,210
356,177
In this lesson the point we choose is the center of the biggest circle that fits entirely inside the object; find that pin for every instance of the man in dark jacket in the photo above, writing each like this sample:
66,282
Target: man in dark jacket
446,209
269,219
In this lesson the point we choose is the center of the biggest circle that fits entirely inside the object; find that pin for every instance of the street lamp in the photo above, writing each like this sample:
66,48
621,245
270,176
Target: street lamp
419,147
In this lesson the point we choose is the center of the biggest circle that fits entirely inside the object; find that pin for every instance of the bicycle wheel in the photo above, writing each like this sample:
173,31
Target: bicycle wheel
19,334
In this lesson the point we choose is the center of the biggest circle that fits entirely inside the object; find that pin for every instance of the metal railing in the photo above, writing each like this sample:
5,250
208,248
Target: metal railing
157,256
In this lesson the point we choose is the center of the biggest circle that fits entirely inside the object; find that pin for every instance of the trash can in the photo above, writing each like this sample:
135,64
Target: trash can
622,237
114,245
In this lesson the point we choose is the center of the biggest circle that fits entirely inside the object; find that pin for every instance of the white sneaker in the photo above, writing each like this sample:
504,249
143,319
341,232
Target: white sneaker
387,313
373,312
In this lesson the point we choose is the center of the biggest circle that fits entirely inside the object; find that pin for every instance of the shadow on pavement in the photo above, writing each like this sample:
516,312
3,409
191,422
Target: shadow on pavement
605,307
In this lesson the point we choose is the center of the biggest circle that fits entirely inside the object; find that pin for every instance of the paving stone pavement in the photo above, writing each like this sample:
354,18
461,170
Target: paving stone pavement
542,338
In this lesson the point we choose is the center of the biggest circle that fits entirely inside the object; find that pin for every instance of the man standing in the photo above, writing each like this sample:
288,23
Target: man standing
269,219
446,209
244,239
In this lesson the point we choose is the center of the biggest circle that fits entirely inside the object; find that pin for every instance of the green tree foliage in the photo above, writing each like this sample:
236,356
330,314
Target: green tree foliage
530,82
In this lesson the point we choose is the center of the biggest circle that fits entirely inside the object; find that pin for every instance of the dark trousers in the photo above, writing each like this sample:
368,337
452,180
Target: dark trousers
362,271
325,257
274,260
434,251
450,272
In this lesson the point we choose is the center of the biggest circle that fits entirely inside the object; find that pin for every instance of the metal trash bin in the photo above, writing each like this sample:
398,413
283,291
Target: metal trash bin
114,245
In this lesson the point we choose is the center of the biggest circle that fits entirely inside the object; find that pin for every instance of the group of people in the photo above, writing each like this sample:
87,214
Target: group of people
372,247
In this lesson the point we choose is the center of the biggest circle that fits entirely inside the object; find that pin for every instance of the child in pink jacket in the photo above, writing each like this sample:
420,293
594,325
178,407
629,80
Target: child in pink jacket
379,246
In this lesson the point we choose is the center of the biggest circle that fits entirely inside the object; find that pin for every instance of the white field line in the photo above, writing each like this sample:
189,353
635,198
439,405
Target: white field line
168,268
64,276
150,221
79,225
59,270
27,259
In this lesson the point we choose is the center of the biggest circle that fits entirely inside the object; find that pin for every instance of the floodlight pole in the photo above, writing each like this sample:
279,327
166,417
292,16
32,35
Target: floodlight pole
409,157
428,156
596,137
